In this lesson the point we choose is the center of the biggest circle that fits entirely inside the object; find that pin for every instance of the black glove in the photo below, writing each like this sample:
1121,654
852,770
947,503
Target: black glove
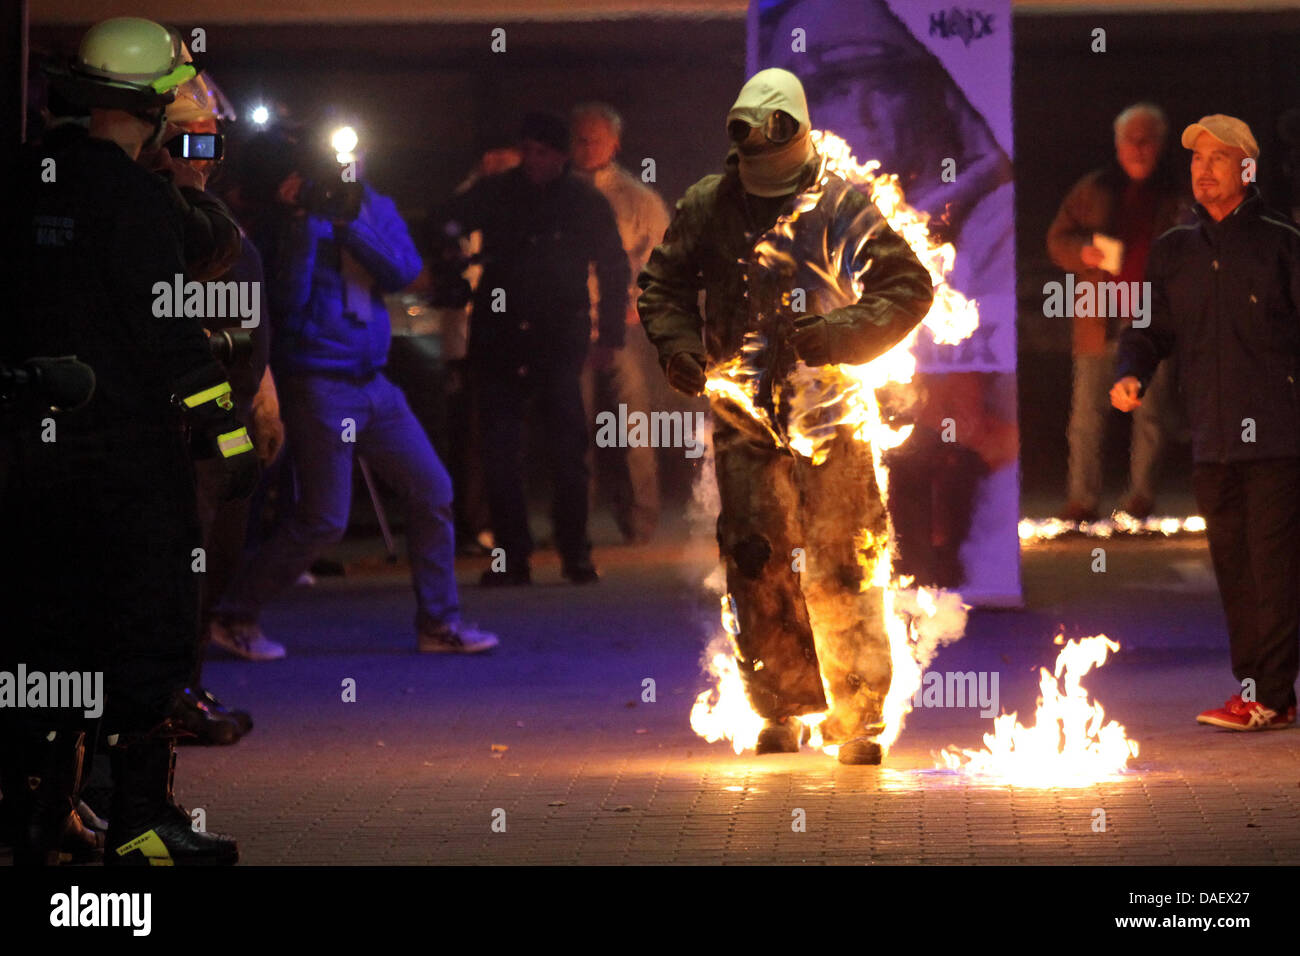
685,372
811,340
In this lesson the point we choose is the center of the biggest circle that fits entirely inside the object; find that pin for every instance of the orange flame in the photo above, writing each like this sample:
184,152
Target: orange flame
1070,743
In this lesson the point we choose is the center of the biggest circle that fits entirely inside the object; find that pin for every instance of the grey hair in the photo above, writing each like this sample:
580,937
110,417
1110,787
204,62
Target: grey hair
602,110
1147,109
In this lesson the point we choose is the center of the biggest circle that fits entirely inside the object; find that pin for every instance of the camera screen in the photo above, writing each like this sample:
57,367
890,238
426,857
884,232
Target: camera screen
201,146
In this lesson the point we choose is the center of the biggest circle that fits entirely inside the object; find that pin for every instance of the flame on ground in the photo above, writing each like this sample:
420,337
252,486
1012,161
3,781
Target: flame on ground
1033,530
1069,744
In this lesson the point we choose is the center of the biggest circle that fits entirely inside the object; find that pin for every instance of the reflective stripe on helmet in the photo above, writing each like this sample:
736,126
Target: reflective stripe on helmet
234,443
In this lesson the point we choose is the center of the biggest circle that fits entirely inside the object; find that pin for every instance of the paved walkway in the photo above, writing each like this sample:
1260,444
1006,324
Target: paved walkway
549,733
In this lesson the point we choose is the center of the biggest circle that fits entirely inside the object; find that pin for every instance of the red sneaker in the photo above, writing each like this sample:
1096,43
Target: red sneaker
1238,714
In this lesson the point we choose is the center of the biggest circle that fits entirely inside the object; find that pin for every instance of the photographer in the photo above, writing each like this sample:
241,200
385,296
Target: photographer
331,249
103,499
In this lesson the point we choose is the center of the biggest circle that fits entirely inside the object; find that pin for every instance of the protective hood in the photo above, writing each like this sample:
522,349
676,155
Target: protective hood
769,169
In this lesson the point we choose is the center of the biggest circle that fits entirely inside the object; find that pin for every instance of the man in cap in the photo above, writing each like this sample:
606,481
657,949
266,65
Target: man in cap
530,330
1225,299
797,533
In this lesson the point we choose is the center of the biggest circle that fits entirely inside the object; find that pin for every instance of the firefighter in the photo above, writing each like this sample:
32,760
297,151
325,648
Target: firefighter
103,500
774,231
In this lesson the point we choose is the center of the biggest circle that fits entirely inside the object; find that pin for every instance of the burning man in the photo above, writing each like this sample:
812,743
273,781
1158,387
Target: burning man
800,273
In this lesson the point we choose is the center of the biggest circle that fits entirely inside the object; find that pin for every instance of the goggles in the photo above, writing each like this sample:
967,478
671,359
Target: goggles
779,128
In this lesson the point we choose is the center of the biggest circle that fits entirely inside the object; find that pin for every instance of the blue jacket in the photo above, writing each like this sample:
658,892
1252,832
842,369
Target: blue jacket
319,327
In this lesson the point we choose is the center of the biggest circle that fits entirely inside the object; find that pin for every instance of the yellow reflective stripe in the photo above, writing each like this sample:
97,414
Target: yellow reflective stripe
175,78
207,395
234,443
151,845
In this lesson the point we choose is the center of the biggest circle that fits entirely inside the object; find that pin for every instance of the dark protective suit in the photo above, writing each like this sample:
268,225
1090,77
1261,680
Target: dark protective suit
751,257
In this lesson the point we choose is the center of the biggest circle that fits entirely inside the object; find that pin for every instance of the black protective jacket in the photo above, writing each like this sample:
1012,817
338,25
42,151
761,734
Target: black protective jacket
88,249
538,242
1225,298
826,245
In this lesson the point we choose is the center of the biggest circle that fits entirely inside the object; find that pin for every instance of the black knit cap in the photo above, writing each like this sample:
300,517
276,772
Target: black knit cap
547,129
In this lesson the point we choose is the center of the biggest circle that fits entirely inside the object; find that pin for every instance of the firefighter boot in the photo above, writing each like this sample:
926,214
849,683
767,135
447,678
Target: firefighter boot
779,736
199,718
859,750
49,830
146,826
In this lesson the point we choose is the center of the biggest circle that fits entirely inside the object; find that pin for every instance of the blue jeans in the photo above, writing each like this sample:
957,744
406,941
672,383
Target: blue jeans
316,412
1090,404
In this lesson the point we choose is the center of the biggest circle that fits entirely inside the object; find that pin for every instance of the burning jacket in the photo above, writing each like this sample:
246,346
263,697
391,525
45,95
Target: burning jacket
829,251
1225,298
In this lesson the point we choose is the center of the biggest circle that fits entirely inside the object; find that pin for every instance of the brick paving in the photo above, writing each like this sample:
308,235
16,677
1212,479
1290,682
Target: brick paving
408,774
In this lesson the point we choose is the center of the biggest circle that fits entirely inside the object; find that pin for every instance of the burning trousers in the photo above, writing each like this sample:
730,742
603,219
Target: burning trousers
799,541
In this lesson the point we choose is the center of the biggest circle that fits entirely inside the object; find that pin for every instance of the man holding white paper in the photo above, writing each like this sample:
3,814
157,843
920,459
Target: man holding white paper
1102,233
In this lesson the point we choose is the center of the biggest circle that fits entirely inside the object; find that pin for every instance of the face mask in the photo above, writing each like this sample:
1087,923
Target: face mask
769,122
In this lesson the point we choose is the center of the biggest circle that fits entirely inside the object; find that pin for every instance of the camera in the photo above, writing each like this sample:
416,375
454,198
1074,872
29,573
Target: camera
196,146
325,194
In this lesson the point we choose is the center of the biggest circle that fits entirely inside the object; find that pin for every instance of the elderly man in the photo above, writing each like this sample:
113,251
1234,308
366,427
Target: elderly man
619,377
1225,299
1132,200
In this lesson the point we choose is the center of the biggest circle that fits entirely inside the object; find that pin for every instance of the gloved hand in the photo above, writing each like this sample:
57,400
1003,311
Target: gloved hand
685,372
811,340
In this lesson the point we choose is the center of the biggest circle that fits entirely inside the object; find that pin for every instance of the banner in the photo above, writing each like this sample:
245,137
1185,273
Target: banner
925,88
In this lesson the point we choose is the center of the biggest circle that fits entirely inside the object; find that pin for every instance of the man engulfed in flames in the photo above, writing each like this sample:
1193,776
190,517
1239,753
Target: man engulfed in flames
800,273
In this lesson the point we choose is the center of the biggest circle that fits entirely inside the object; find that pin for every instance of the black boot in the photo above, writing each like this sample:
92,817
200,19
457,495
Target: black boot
203,724
146,826
49,831
779,737
243,720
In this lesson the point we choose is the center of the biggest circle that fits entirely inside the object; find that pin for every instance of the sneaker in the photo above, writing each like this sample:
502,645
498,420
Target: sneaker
454,639
1238,714
244,639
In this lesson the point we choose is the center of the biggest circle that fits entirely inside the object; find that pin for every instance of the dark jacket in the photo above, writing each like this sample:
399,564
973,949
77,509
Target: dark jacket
538,243
837,248
88,249
1090,207
319,325
1225,298
246,373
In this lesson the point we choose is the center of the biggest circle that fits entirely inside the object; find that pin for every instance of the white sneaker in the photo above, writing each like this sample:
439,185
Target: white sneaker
245,640
455,639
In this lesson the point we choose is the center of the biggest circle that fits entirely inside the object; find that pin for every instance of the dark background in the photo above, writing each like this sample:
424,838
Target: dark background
428,97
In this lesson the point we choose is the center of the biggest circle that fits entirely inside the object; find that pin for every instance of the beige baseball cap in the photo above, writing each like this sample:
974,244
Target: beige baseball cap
1226,129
